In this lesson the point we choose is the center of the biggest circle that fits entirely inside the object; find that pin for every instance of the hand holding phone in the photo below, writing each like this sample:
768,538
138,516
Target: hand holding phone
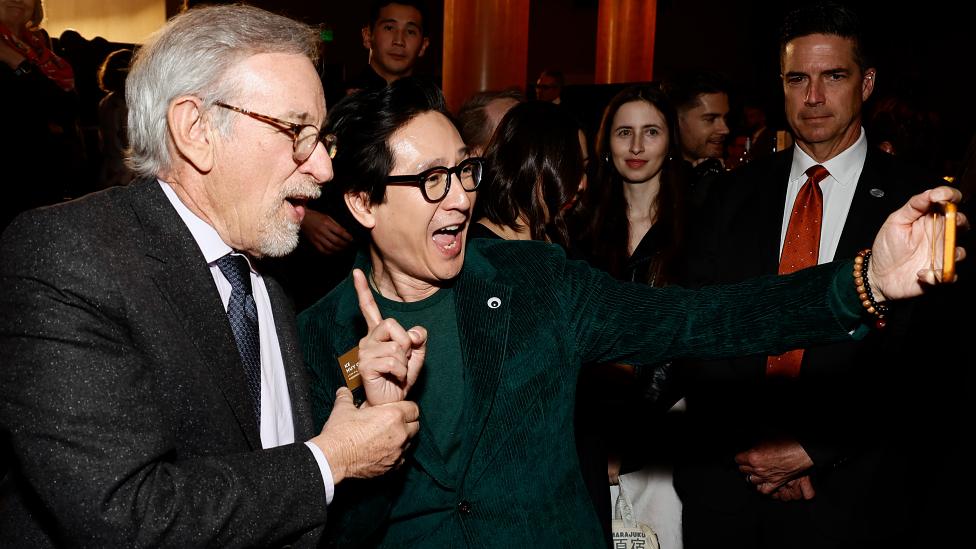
947,220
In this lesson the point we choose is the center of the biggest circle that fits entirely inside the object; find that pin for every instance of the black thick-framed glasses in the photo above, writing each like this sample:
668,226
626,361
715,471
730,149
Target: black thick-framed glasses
304,136
435,183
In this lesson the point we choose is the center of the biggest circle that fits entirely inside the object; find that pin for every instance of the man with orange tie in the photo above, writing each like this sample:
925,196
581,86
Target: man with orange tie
802,452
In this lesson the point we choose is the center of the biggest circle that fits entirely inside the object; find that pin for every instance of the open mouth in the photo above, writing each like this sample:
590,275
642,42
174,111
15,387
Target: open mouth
448,239
298,203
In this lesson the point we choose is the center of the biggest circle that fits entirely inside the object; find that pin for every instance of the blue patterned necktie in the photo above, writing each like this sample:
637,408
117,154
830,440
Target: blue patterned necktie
243,315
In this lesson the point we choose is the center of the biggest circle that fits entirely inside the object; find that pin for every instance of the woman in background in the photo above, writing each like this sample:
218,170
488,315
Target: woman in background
535,169
637,212
637,200
112,118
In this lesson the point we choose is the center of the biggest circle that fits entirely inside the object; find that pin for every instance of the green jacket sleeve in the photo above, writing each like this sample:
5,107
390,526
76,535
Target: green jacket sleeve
642,325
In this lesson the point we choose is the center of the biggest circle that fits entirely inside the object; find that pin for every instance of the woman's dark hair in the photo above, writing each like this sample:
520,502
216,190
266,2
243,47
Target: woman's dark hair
114,70
535,146
363,123
609,229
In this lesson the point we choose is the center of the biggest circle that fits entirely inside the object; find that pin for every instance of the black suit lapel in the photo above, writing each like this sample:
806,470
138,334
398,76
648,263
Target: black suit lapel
875,197
772,210
185,283
756,197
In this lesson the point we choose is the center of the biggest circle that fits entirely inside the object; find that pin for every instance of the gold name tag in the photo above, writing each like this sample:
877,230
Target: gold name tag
349,364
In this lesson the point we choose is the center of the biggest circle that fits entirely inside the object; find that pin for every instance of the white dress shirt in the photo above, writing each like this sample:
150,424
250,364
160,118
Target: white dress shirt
277,426
838,192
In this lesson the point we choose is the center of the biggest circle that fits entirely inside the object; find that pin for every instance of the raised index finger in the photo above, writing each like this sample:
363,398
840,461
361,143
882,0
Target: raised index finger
367,305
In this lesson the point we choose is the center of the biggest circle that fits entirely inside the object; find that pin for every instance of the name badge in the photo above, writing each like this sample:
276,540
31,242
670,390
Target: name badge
349,364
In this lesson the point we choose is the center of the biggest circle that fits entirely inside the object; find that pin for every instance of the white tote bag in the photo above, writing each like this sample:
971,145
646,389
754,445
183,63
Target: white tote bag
628,533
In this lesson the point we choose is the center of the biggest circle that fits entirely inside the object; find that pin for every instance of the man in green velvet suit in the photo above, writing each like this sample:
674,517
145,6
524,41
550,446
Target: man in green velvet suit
501,328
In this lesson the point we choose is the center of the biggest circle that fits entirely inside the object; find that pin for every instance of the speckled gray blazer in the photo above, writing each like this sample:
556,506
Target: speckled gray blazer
124,415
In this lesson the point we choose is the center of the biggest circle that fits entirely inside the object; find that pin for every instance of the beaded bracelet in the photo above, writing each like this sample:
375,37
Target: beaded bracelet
878,310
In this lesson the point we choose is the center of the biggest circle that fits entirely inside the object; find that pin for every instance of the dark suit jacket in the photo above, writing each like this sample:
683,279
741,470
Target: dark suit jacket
122,398
846,405
519,483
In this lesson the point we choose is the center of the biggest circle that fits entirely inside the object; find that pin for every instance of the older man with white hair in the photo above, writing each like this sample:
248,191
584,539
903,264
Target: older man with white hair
152,392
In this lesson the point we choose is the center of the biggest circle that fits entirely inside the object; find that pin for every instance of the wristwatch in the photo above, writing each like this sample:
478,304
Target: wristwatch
23,68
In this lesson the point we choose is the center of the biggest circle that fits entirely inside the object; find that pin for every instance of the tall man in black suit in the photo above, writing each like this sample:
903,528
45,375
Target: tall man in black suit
806,458
152,393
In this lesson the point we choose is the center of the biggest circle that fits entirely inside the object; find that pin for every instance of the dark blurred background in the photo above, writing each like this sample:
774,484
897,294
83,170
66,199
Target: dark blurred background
923,52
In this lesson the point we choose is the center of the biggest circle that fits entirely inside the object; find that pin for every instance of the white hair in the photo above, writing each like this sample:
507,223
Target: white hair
192,55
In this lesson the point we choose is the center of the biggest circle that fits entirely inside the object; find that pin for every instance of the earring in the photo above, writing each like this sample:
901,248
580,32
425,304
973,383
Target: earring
606,157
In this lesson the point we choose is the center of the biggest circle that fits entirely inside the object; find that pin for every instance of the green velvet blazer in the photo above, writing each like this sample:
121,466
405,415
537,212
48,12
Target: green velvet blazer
528,318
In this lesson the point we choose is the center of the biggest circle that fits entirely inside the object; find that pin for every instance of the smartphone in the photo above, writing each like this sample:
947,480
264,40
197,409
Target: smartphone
947,220
949,244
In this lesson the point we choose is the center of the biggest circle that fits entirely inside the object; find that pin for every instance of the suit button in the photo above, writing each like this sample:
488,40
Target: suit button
464,507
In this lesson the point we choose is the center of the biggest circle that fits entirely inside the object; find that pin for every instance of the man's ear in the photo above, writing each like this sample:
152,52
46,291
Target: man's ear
190,132
867,84
423,46
361,208
367,37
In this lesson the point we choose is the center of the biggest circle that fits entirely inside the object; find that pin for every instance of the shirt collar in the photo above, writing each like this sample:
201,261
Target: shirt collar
843,167
204,234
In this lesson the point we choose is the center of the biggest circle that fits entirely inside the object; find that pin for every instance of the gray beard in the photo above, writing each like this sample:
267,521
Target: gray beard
279,237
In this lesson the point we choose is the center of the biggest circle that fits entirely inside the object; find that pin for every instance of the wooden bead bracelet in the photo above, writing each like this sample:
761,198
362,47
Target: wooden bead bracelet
878,310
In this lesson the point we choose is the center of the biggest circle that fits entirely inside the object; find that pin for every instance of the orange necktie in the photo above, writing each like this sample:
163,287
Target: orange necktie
801,249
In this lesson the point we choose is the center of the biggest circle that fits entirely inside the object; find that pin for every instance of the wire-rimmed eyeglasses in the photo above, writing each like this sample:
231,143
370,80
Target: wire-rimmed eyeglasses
304,136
